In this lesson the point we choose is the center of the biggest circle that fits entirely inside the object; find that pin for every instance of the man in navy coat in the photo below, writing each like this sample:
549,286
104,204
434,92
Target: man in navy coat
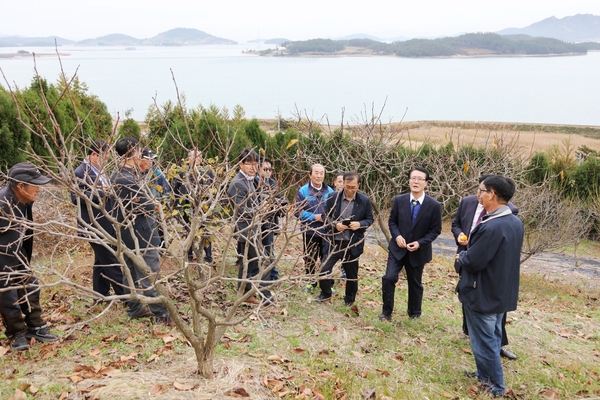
489,278
415,221
469,214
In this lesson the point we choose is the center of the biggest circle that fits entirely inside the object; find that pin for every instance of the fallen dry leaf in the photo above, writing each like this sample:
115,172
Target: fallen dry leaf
473,390
383,372
398,357
550,393
156,389
256,355
4,350
558,321
324,323
182,386
324,353
298,350
468,351
19,395
239,392
357,354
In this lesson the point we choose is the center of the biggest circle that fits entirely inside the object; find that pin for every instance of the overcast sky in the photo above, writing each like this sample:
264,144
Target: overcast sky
243,20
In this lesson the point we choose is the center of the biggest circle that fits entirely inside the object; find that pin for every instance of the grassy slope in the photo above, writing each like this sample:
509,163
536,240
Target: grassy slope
320,348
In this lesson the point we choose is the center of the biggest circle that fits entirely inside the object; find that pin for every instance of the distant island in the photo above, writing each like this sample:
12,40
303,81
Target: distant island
173,37
467,45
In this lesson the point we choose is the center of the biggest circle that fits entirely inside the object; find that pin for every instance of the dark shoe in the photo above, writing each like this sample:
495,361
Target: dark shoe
19,342
144,314
348,303
165,320
415,316
504,352
41,334
321,298
382,317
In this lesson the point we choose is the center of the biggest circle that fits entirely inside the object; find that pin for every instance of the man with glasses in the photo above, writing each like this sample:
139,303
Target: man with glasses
348,214
246,207
489,279
469,214
415,221
309,208
267,187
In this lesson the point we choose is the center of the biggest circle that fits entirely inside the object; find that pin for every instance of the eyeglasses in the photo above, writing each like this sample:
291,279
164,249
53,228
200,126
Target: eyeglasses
417,179
250,164
483,190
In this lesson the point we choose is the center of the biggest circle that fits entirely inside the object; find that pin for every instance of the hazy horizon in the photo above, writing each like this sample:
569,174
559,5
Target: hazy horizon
267,19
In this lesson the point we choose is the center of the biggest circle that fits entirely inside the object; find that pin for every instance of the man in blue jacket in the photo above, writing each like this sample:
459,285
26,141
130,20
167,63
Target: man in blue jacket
489,279
348,214
415,221
309,208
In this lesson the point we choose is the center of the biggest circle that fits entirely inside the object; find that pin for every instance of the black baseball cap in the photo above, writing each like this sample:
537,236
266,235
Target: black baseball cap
27,173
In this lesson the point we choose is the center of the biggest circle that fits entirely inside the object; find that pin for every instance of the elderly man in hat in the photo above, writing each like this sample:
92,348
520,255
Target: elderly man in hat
20,306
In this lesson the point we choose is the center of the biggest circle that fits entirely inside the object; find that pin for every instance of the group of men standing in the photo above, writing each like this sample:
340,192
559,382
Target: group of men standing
334,224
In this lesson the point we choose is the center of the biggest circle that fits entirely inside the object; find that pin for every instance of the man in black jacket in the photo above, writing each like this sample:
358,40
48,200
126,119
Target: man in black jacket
20,307
469,214
135,215
415,221
348,214
489,278
92,217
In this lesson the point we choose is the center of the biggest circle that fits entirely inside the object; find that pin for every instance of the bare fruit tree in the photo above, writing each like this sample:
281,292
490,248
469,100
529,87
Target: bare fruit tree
212,300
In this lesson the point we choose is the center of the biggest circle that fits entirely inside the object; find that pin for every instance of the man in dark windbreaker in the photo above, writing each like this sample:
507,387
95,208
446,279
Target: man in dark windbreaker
489,279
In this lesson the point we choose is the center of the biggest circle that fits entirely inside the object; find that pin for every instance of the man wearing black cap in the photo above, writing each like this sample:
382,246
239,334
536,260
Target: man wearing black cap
135,214
20,307
92,183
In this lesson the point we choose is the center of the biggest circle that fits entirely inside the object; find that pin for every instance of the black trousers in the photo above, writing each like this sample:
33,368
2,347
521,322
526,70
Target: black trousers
340,251
107,271
20,307
251,260
414,275
504,336
313,251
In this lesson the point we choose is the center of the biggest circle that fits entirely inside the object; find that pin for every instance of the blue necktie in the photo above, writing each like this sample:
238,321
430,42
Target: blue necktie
415,206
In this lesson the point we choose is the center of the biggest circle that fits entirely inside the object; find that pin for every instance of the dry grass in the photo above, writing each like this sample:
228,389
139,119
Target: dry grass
529,138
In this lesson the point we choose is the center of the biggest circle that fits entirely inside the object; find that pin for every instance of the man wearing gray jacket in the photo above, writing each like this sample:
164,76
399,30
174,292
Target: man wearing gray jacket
246,206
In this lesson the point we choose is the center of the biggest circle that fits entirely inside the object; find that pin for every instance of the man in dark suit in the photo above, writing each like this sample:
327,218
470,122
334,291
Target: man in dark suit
92,217
246,206
135,213
348,214
469,214
415,221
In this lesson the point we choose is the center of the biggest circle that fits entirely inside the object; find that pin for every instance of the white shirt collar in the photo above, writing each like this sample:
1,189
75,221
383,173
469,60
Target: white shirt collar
420,199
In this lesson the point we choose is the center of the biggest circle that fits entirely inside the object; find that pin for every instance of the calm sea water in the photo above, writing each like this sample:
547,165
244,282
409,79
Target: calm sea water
557,90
